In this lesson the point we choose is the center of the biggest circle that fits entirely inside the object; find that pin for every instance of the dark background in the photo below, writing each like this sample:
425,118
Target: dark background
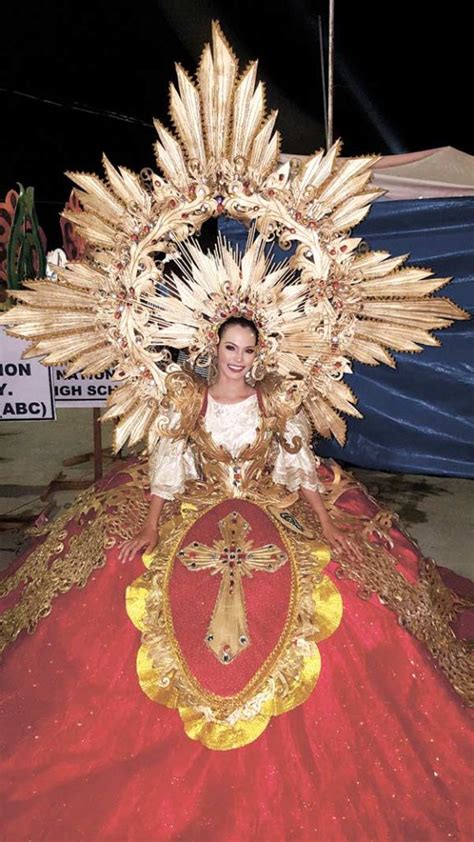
403,79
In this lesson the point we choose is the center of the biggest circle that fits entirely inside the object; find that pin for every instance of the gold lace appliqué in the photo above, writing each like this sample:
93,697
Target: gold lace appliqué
74,546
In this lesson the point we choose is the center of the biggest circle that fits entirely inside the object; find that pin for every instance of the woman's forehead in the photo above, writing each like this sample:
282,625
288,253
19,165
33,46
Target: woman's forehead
239,335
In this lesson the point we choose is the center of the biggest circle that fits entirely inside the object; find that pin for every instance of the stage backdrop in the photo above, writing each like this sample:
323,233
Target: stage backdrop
418,418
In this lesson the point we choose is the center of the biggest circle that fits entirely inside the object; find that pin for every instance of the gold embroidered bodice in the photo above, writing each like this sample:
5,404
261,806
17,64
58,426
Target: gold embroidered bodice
234,450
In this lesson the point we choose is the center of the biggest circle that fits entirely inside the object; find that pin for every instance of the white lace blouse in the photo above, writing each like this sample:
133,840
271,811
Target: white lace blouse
233,426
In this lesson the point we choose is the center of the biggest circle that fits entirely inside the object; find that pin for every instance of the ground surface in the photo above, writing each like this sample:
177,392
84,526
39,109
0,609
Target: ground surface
437,511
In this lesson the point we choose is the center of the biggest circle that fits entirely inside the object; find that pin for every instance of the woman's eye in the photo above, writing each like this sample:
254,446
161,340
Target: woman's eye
250,351
229,347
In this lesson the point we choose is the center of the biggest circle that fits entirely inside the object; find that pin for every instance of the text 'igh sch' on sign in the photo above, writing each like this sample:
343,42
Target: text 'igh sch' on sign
78,390
26,386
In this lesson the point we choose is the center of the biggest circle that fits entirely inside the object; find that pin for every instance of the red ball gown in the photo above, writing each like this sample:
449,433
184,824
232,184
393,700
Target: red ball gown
257,689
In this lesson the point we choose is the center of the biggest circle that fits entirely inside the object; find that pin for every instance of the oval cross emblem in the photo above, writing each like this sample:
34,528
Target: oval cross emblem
231,610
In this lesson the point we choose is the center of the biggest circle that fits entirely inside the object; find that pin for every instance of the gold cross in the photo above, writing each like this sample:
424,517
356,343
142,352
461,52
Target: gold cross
233,557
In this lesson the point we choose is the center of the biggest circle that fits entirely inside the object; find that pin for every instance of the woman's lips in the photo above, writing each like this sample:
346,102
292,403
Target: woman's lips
235,367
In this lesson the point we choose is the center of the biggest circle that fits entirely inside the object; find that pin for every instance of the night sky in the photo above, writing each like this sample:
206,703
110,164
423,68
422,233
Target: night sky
402,82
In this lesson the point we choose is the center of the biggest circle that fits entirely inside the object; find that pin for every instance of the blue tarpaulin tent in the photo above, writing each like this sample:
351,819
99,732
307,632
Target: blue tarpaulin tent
419,417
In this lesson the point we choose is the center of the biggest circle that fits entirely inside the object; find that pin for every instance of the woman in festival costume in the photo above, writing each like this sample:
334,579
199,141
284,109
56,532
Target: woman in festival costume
235,356
272,702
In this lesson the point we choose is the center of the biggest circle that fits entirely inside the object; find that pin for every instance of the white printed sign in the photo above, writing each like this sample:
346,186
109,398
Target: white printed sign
78,390
26,386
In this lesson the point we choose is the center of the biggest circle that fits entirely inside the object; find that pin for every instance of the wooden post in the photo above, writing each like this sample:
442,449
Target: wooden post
98,469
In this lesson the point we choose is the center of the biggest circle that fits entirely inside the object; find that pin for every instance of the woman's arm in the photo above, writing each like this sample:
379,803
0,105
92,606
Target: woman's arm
147,538
338,539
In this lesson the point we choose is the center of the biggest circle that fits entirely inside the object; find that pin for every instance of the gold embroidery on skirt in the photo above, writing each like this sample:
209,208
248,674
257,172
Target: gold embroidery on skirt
425,608
65,559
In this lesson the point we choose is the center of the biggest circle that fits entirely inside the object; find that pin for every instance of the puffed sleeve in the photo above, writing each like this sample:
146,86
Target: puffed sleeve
297,470
171,465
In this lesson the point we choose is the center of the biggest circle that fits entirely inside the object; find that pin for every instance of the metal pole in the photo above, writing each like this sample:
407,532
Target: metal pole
330,123
323,78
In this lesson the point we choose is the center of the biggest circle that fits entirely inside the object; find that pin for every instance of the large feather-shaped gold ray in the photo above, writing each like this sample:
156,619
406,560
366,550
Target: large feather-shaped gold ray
221,156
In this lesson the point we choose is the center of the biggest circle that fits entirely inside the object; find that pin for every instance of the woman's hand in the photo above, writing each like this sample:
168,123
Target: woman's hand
341,541
145,541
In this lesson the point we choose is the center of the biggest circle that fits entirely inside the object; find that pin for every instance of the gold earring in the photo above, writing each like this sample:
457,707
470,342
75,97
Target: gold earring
249,379
212,368
258,370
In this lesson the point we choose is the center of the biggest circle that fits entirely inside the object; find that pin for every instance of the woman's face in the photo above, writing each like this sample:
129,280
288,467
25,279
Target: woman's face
236,352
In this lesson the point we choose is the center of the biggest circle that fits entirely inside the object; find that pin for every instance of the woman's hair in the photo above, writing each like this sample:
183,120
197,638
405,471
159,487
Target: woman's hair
241,322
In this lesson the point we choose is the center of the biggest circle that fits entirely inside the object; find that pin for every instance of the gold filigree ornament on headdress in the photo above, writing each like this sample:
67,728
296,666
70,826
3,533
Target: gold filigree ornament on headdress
109,310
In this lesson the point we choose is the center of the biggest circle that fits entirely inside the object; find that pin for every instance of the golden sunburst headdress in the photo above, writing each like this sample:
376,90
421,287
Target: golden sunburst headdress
214,287
108,311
